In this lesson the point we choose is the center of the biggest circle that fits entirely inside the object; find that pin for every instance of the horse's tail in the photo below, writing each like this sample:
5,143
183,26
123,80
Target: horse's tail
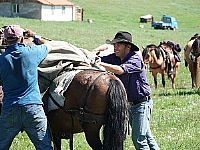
114,131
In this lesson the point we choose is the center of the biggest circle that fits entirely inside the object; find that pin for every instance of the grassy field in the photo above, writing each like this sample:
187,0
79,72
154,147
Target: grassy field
175,118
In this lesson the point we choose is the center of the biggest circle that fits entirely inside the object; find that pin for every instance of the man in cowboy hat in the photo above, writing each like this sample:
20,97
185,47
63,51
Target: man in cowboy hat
128,65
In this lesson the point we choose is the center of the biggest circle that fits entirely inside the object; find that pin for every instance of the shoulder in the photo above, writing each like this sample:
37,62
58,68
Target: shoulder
135,56
108,57
41,48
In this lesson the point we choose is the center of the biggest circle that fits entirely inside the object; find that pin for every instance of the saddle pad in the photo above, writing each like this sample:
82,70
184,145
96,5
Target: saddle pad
58,87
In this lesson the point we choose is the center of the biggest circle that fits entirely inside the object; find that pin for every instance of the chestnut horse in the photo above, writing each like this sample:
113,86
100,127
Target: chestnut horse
156,58
93,100
192,59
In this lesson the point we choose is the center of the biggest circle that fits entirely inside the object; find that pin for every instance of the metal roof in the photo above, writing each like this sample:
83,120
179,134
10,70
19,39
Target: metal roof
56,2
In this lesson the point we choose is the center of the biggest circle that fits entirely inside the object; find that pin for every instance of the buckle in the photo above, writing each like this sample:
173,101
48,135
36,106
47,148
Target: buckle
131,103
148,97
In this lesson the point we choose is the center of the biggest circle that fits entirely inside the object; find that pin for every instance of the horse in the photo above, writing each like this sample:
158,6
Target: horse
93,100
156,57
192,59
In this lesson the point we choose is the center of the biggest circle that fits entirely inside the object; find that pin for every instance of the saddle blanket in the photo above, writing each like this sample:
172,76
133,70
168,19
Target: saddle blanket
58,87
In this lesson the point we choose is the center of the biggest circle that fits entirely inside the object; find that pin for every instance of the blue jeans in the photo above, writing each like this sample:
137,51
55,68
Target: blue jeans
29,118
139,117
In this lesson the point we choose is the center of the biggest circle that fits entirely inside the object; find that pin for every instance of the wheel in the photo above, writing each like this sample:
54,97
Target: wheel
174,29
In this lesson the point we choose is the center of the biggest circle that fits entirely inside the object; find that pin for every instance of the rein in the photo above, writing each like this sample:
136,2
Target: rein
81,114
156,67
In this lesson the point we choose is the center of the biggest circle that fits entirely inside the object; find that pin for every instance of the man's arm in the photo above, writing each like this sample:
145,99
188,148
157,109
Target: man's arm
113,68
38,39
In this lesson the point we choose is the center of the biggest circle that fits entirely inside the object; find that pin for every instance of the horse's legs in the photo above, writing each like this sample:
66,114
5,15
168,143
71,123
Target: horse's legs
154,74
92,135
163,80
173,81
155,82
56,142
192,76
173,76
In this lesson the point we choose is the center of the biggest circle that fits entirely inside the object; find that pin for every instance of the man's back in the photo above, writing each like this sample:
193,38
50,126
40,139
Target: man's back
18,65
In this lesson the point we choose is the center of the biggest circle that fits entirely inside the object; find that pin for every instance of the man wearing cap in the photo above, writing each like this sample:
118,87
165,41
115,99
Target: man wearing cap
22,108
128,65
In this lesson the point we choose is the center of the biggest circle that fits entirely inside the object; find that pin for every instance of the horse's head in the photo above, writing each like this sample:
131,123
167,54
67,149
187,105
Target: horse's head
147,53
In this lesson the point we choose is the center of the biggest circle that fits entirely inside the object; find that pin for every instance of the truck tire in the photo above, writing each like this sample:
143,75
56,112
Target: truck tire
174,29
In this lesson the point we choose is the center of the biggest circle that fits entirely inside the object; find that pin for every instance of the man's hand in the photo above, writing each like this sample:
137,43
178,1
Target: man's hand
29,33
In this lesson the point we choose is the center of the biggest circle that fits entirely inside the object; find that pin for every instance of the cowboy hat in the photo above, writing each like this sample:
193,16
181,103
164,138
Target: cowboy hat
123,37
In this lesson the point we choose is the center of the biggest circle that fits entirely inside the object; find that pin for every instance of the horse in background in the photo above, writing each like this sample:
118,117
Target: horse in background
192,59
156,58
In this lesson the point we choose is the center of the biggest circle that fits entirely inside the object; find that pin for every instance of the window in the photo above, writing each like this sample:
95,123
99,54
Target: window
63,10
78,10
52,10
15,8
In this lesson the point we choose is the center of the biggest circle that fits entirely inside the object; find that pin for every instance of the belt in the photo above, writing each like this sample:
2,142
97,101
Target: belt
137,101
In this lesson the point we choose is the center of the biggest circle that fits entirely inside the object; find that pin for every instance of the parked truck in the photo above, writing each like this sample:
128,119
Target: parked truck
167,22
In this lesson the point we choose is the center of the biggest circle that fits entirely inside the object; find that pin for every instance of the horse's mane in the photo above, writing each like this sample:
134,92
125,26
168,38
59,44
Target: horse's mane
147,49
157,52
151,47
196,47
194,36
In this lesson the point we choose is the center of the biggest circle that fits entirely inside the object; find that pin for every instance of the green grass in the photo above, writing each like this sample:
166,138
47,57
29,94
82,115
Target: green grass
175,118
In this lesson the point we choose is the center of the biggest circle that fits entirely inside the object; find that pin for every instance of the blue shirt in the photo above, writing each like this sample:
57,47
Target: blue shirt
19,75
134,78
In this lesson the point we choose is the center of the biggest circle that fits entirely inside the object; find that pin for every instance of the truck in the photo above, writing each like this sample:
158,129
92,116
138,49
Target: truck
167,22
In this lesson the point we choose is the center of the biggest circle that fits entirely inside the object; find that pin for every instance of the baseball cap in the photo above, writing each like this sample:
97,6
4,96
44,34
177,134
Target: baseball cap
13,32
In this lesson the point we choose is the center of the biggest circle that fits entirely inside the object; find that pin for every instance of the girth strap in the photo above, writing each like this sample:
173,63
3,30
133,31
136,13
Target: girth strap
82,112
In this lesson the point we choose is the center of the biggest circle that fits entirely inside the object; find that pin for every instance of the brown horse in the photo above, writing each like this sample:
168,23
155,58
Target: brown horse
93,99
158,62
192,59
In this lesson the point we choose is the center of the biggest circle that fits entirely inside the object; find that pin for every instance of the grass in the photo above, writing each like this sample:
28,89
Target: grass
175,118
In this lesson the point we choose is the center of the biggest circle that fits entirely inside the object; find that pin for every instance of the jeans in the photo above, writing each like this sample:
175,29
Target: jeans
139,116
29,118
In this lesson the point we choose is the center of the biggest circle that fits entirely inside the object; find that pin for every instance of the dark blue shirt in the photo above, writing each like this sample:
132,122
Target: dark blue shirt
134,78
